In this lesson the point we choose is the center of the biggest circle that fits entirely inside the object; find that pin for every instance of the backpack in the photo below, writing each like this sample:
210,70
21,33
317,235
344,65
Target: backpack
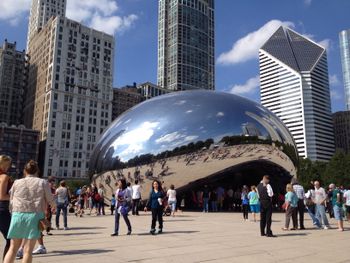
97,197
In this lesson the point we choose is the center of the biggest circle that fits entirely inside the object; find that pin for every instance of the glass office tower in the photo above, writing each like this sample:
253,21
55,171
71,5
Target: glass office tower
344,39
186,44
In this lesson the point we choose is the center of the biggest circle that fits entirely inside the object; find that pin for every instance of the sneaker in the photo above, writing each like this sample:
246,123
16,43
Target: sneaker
66,228
325,227
39,250
19,254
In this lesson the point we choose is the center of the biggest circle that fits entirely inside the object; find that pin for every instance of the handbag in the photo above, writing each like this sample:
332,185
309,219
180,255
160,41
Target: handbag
44,224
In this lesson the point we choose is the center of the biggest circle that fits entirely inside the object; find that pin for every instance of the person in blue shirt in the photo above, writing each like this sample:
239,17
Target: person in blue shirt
113,201
291,204
155,204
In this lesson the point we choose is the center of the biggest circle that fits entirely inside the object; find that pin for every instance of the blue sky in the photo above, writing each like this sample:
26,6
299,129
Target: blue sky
241,25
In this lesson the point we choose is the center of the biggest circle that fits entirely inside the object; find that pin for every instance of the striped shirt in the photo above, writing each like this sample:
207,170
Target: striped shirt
299,191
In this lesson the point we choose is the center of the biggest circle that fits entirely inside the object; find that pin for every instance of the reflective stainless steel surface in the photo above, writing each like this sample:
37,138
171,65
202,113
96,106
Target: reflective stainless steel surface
184,136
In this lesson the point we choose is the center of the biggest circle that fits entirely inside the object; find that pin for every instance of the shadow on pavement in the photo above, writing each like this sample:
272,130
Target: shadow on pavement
56,253
292,234
178,220
86,228
169,232
76,234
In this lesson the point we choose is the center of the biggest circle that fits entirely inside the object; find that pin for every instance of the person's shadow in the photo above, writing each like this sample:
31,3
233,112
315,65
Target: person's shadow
169,232
56,253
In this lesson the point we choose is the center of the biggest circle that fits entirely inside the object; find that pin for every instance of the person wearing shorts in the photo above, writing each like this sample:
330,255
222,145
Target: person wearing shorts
254,202
337,202
29,197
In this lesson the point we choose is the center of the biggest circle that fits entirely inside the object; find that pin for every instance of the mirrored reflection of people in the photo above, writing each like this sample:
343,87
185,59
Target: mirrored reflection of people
155,204
265,195
5,185
29,197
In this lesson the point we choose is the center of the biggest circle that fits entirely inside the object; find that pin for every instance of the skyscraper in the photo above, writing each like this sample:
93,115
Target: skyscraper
69,93
294,85
40,13
344,39
186,44
13,70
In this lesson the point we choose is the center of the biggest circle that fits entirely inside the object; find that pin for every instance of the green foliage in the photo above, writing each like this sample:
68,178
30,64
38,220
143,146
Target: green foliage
336,171
75,184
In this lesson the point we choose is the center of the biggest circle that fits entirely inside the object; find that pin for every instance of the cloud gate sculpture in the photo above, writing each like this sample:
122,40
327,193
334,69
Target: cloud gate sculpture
184,137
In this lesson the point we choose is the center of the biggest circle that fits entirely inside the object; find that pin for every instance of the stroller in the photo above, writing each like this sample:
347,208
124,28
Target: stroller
167,208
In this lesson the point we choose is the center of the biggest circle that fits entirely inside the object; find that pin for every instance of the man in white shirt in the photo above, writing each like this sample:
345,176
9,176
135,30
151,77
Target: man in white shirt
347,204
320,201
101,203
136,197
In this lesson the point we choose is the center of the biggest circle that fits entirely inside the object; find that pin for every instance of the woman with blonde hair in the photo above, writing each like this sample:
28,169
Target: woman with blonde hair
29,197
254,202
290,205
5,185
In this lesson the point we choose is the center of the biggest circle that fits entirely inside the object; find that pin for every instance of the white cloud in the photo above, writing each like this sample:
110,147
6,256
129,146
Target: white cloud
83,10
326,43
335,95
248,46
12,10
249,87
112,24
307,2
99,14
333,80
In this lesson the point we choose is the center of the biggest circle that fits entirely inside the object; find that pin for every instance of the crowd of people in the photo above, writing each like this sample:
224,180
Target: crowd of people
27,206
316,201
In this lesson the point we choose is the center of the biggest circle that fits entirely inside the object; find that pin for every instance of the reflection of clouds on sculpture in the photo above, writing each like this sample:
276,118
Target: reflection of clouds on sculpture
133,140
220,114
174,139
180,102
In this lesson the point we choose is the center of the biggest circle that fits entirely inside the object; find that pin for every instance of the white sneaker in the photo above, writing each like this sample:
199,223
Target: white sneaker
39,250
325,227
19,254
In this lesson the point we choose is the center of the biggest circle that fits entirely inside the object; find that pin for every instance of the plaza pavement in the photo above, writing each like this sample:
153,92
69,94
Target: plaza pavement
193,237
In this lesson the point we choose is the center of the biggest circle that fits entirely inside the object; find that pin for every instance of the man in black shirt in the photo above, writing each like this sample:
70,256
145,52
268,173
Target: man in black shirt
265,195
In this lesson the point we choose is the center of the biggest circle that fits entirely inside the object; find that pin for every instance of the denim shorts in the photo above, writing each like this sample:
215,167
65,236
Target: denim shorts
255,208
338,213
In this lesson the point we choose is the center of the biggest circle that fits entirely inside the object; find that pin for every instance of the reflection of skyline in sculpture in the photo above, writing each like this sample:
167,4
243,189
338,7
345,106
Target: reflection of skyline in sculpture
187,136
249,129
